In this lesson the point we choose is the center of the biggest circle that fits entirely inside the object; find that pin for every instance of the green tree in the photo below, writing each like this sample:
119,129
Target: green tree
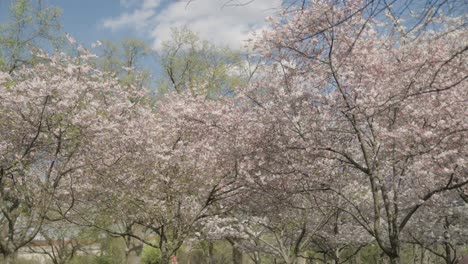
189,63
150,255
128,60
30,25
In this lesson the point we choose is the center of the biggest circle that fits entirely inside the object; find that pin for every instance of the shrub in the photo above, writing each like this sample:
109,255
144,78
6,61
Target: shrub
150,255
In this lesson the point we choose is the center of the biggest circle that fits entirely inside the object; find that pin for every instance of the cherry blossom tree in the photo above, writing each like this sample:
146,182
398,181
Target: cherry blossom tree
439,227
385,110
169,173
353,130
61,241
54,116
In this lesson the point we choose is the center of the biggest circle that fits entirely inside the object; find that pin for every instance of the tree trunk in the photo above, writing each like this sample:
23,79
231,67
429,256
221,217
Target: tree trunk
415,253
211,258
127,254
423,254
165,258
301,260
358,258
395,260
10,258
257,258
448,253
336,256
236,255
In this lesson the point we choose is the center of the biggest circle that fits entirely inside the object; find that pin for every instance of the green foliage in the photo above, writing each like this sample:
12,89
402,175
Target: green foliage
79,259
25,261
150,255
126,60
105,259
30,26
113,251
189,63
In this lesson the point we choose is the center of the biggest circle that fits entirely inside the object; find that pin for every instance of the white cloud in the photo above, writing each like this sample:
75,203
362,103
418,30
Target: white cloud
135,18
219,21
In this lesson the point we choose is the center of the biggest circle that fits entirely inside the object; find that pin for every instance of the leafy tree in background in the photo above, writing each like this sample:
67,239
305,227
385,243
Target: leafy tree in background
190,64
31,25
129,60
150,255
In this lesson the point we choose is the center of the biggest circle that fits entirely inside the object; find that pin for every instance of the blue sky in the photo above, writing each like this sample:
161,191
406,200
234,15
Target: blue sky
82,19
222,22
